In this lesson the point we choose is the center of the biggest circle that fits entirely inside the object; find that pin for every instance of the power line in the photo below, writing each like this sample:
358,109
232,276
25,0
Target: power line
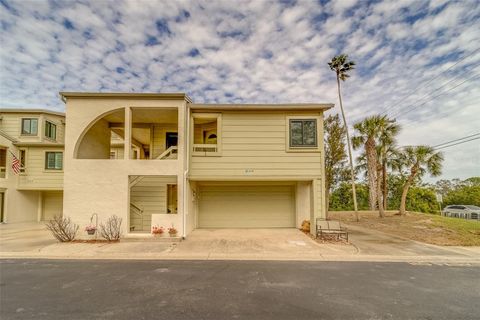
414,122
447,144
403,112
436,77
433,91
463,138
462,142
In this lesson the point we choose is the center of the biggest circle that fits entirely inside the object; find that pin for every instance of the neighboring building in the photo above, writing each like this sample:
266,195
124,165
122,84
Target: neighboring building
159,159
36,138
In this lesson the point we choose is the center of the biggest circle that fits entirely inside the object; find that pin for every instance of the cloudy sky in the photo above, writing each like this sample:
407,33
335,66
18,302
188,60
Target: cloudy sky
418,61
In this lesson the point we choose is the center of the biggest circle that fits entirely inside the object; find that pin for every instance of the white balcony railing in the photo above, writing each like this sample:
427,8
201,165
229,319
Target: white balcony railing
204,149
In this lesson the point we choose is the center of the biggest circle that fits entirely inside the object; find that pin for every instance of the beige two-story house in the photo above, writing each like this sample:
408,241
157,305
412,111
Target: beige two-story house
162,160
36,138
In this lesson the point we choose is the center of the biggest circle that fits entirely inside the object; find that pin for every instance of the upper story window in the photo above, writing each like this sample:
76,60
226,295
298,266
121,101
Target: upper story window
303,133
206,134
54,160
30,126
23,159
3,162
50,130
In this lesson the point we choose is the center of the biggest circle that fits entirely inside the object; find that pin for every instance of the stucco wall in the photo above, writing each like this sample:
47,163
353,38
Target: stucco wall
302,195
96,142
100,185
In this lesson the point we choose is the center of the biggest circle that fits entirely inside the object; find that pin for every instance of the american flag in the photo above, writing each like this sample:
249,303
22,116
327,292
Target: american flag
15,164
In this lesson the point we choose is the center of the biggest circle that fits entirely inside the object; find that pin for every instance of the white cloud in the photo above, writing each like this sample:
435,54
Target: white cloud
256,51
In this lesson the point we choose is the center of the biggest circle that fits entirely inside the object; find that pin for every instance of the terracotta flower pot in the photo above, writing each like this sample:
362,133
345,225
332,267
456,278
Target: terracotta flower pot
91,232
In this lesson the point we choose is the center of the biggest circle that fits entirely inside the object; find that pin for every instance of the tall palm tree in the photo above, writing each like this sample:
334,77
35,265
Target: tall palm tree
368,135
341,65
419,160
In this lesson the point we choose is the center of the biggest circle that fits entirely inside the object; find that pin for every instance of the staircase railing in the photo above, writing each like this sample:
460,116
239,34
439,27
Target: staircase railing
137,211
167,153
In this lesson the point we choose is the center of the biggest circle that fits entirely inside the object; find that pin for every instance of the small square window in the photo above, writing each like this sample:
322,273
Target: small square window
54,160
50,130
303,133
29,126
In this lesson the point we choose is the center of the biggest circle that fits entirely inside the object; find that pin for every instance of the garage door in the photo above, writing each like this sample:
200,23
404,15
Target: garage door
243,206
52,205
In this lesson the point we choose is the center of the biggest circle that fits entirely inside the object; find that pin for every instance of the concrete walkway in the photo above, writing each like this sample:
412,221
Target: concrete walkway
34,241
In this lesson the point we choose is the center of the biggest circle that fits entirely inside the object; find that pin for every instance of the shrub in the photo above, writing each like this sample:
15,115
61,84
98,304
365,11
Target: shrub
111,229
63,229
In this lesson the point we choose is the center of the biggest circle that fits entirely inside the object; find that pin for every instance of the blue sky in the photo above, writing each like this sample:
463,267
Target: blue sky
258,52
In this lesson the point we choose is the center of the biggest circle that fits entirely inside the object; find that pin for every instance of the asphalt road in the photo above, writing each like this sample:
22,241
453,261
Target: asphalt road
93,289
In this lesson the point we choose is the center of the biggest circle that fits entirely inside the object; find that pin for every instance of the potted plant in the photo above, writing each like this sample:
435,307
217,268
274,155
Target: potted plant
157,231
172,232
91,229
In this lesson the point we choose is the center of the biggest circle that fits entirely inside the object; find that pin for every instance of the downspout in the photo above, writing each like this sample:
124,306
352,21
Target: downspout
185,173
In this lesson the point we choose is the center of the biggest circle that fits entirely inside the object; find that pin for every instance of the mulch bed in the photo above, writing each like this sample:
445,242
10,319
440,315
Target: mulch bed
96,241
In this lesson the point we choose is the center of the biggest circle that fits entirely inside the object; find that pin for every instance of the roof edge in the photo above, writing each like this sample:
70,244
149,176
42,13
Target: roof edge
7,136
38,144
17,110
263,106
126,95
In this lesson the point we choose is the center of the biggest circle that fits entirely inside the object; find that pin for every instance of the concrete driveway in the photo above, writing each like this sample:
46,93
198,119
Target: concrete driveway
22,237
32,240
256,244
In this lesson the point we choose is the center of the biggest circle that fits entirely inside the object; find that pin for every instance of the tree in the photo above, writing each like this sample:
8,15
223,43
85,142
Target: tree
466,194
341,200
335,154
370,132
341,65
387,153
419,160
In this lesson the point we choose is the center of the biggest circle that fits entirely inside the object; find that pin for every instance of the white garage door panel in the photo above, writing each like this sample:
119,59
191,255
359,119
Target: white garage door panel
266,206
52,205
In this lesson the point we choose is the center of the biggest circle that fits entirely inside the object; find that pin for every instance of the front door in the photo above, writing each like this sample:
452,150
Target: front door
171,139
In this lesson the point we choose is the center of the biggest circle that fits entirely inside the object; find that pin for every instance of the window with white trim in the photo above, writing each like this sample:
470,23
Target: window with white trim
3,162
30,126
303,133
50,130
54,160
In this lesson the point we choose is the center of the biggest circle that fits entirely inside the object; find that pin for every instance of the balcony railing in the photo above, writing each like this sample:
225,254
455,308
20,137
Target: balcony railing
204,149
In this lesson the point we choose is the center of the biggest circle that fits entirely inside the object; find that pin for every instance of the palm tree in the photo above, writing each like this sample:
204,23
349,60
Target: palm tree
342,66
373,132
419,160
386,157
387,152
